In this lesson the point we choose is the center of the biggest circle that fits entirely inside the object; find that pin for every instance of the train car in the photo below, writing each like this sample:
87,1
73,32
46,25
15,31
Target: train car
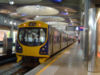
64,40
39,40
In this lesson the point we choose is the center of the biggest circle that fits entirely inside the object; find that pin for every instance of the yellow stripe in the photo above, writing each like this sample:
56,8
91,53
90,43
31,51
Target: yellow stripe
38,73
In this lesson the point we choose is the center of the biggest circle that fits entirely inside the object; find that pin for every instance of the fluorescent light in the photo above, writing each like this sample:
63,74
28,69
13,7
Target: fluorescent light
11,22
15,23
5,21
11,2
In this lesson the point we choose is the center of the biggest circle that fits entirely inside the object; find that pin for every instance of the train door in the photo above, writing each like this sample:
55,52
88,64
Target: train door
50,38
60,41
67,39
56,41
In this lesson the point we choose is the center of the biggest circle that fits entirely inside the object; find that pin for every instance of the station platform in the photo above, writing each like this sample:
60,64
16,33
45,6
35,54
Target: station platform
70,61
67,62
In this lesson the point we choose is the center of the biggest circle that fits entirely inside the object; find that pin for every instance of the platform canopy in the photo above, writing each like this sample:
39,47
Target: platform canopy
66,11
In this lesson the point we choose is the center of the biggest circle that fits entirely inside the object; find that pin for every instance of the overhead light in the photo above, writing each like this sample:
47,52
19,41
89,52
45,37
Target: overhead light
49,18
57,1
11,2
37,16
77,28
57,23
34,10
15,23
64,13
11,22
23,14
5,21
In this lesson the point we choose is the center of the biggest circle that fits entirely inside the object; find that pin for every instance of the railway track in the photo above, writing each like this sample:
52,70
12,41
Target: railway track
13,59
18,69
11,69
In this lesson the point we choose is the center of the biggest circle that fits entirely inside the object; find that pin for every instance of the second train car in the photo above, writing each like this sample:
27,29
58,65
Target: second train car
39,40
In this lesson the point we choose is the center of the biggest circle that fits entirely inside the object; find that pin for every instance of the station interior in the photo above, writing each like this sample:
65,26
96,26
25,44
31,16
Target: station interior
49,37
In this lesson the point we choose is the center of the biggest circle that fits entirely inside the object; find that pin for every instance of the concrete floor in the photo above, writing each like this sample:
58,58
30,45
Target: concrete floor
69,62
89,73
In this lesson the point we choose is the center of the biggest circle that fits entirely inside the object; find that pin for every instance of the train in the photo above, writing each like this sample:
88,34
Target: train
36,39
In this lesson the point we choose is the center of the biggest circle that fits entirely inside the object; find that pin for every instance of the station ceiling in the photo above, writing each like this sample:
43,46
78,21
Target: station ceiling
97,2
69,11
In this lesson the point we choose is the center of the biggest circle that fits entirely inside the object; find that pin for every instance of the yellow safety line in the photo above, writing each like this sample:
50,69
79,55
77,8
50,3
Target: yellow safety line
38,73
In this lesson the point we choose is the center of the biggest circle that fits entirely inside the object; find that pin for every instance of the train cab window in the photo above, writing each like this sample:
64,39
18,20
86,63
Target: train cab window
42,35
32,36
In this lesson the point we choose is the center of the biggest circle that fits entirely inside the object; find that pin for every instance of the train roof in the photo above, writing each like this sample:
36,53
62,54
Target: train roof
33,24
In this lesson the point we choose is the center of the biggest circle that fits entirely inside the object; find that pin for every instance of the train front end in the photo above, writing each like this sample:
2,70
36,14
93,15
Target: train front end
32,41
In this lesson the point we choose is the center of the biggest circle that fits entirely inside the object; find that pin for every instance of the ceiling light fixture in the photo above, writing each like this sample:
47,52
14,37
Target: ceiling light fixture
64,13
5,21
58,1
23,14
11,2
37,16
11,22
14,23
34,10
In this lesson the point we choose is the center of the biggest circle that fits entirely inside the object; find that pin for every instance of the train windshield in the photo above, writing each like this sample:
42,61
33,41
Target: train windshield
32,36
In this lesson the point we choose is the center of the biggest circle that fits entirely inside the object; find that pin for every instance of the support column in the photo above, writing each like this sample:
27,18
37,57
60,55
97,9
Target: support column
85,32
11,31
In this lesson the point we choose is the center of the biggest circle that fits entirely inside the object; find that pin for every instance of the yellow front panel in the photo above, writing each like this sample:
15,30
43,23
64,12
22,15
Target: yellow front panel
38,24
33,50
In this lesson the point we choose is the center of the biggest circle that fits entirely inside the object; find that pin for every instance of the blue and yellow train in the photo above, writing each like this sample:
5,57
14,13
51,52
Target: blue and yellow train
39,40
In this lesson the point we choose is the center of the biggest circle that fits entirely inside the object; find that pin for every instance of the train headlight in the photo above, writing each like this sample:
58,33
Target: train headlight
44,50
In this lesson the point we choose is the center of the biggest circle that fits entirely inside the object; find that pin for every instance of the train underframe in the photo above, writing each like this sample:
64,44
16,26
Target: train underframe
31,59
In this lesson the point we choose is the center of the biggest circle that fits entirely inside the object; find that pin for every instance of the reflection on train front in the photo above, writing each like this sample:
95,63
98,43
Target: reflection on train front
32,36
